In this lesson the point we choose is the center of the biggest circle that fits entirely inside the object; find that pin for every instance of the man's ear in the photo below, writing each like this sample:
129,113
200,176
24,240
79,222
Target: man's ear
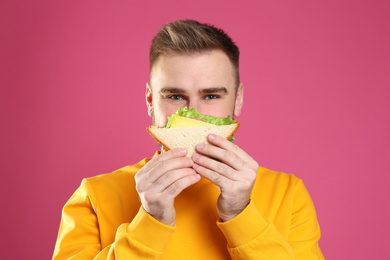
239,100
149,99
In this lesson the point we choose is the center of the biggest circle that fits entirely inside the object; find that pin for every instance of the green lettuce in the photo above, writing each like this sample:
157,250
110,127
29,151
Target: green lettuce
192,113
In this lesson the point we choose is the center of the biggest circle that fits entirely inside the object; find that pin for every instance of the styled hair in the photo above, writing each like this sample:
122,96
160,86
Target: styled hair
189,36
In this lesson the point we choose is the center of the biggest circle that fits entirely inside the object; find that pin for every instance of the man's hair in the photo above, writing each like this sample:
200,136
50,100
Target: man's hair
189,36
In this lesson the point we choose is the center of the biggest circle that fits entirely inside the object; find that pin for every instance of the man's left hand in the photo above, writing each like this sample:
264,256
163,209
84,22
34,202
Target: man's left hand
231,169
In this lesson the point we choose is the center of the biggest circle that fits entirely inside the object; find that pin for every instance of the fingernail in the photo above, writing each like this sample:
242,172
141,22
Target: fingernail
211,136
200,146
195,165
196,156
183,151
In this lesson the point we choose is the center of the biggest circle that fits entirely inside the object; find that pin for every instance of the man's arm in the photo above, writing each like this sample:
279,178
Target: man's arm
79,235
249,235
158,183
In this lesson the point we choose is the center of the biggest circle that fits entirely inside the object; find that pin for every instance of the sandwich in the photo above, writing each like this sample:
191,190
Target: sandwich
187,128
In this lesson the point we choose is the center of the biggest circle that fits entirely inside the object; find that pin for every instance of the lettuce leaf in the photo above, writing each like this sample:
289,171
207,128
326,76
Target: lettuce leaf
192,113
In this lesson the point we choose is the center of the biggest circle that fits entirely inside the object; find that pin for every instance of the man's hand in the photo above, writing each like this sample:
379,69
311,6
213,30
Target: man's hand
161,180
231,169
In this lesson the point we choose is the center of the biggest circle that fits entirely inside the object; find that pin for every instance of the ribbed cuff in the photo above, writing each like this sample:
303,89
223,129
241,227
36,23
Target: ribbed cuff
150,232
244,227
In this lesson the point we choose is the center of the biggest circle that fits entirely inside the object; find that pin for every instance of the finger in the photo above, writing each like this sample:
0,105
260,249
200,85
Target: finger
164,166
212,169
227,145
226,156
170,177
174,153
181,184
218,179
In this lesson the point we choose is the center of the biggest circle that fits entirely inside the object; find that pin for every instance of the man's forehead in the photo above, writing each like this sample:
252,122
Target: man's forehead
205,71
190,56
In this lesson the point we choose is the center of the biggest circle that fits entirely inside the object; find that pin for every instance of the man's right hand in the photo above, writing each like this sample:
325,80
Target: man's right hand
161,180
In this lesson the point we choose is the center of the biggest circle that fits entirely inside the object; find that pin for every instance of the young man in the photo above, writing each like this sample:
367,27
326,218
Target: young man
219,204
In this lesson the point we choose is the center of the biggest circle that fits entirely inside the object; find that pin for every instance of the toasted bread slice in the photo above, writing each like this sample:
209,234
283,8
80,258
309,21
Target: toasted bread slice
188,138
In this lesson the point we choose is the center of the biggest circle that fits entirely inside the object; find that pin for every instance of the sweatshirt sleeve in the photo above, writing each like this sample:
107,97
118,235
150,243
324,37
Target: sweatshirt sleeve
250,236
79,236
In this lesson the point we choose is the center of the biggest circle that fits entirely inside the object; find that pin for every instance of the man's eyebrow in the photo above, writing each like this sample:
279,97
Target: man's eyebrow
171,90
175,90
221,90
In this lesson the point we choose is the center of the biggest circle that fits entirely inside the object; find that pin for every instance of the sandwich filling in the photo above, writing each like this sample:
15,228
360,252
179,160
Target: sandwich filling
184,122
185,117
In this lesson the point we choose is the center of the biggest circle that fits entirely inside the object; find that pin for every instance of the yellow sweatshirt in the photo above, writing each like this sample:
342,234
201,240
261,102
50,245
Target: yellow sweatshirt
104,219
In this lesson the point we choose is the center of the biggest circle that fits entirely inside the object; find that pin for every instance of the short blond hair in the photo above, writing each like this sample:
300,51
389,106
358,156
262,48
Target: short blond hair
189,36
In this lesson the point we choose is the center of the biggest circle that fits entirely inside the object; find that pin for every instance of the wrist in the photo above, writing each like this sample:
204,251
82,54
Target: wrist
225,217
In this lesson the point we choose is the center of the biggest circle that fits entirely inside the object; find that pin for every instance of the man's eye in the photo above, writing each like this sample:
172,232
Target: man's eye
212,97
175,97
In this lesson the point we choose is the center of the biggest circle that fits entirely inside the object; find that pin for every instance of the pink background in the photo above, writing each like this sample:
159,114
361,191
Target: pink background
316,77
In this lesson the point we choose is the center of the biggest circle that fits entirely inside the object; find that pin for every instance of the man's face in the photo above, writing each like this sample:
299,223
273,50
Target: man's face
204,80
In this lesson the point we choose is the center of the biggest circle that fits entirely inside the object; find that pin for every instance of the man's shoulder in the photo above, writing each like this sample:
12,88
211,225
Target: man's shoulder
121,177
271,180
275,175
122,173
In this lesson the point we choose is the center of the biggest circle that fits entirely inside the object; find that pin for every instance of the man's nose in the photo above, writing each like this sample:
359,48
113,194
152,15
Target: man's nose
194,103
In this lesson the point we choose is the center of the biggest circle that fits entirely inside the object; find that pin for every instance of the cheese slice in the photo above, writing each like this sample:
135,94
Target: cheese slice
184,122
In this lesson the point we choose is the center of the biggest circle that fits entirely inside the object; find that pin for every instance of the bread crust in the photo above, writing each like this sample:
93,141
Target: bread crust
158,140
